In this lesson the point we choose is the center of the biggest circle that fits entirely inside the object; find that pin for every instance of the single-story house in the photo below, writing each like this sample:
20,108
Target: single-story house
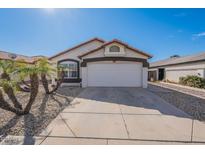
98,63
173,68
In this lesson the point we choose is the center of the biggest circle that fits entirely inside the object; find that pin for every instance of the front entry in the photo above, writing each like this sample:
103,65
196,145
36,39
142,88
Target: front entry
161,74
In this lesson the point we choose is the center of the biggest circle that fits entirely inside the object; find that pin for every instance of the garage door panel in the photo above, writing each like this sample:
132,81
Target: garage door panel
114,75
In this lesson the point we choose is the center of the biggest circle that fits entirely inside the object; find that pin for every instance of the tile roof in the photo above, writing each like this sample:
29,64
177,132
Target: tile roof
77,46
12,56
120,42
179,60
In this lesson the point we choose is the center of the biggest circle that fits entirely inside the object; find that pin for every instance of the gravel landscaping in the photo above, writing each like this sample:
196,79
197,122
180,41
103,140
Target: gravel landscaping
44,110
182,99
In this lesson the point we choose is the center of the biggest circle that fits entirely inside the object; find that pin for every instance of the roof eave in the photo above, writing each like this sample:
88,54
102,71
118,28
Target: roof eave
120,42
77,46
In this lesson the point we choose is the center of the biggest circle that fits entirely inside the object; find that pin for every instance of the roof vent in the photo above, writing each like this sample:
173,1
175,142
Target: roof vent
174,56
12,56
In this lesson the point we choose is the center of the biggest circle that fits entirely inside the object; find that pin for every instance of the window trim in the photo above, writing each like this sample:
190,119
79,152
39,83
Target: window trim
78,68
114,51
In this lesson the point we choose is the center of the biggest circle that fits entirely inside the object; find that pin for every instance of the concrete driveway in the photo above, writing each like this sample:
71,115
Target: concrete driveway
122,116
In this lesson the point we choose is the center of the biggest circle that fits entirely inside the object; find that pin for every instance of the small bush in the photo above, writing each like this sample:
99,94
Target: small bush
192,81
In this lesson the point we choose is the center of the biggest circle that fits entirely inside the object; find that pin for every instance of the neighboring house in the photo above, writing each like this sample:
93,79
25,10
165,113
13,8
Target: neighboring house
175,67
104,64
16,57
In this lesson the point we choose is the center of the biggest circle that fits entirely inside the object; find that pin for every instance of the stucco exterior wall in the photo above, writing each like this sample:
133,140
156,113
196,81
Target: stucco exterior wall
99,53
128,53
131,53
173,73
194,65
144,77
73,54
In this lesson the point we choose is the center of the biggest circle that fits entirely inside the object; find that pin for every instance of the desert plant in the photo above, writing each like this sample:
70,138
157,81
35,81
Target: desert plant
6,106
9,86
60,79
192,81
48,70
34,91
7,67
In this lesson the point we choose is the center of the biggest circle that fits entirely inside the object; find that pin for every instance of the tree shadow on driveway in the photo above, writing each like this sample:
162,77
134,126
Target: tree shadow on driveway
133,97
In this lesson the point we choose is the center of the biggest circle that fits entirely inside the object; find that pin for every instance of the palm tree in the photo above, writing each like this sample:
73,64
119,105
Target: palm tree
14,72
61,75
6,106
31,71
47,69
8,67
18,71
34,91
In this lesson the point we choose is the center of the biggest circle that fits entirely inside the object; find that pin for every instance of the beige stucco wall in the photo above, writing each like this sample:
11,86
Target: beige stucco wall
128,53
99,53
73,54
173,73
131,53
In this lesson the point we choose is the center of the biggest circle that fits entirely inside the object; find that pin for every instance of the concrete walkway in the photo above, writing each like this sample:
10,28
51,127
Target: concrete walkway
121,116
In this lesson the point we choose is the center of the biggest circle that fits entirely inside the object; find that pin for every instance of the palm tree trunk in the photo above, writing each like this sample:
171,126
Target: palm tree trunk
24,82
6,106
10,92
45,82
34,91
59,82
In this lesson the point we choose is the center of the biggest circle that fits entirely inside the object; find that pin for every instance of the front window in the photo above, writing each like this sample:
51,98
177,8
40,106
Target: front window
70,69
114,48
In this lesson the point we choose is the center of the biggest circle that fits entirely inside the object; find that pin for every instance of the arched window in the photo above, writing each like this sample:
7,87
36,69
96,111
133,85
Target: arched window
114,48
70,68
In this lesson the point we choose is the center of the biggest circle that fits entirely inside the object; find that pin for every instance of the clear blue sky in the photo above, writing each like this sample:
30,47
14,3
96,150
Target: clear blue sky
161,32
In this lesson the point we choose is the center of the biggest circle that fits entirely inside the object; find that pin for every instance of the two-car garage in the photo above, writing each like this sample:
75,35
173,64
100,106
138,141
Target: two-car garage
114,74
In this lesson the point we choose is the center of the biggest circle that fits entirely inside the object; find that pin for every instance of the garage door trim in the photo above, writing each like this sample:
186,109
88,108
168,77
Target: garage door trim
87,60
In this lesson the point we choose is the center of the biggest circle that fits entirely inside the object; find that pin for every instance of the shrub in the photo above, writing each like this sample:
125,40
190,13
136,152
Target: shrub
192,81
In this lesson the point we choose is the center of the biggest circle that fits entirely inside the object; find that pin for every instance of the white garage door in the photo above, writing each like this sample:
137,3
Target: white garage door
114,75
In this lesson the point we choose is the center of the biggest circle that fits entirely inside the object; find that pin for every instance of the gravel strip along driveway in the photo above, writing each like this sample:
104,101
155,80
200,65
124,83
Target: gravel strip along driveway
184,89
188,100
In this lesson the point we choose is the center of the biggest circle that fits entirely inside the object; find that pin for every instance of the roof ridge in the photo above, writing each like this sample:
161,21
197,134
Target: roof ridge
120,42
190,55
8,52
76,46
174,61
